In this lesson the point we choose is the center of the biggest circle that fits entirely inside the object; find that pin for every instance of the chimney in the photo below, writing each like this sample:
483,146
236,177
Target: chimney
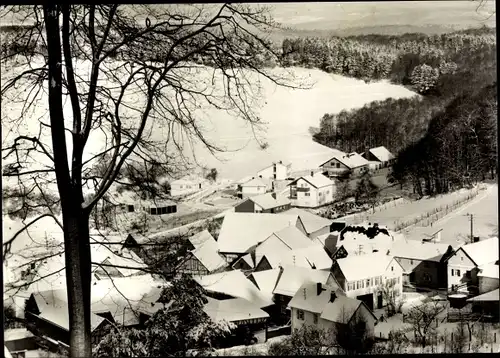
281,162
333,296
476,238
319,288
260,176
312,173
273,195
305,296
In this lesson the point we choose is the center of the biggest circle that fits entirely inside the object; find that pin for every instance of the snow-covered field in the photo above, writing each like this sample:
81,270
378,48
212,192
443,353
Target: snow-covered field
456,225
286,115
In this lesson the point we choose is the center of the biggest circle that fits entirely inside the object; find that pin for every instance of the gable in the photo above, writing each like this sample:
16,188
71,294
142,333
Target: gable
246,206
263,265
460,258
333,163
190,258
300,225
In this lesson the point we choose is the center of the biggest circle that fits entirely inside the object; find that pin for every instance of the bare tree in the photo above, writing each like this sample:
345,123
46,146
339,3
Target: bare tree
423,320
392,297
126,73
351,332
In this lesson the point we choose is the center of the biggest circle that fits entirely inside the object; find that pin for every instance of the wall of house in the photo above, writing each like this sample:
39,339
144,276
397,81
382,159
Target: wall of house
192,266
282,172
459,261
246,206
306,199
424,273
487,284
308,320
177,189
247,191
326,195
335,167
364,313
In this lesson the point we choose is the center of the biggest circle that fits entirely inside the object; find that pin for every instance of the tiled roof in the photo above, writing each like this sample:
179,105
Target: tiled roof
382,154
364,266
241,231
233,310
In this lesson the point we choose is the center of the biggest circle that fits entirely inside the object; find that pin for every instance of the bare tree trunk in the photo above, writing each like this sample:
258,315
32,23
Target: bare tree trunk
78,280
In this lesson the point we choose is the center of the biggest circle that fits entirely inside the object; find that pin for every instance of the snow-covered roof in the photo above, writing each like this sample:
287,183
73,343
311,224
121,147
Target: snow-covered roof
6,352
350,160
293,237
294,276
235,284
233,310
492,296
241,231
306,298
14,334
317,180
189,179
313,256
53,307
273,249
280,162
489,270
255,182
312,222
413,249
198,239
207,254
266,280
356,243
267,201
482,252
382,154
365,266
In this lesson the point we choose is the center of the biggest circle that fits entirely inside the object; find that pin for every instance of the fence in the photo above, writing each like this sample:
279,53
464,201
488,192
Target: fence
365,216
281,331
431,216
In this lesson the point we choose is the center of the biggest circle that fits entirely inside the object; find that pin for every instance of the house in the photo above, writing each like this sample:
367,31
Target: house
311,191
277,171
290,281
129,202
255,186
424,263
204,258
238,311
233,284
265,203
318,306
487,304
187,185
342,165
314,225
47,314
19,340
380,155
266,282
364,277
270,253
488,277
241,232
463,265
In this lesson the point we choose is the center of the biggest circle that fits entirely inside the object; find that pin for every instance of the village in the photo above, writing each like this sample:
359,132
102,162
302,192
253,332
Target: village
275,254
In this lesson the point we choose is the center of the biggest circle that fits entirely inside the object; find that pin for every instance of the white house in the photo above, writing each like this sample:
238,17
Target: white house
312,191
363,276
345,164
318,306
187,185
255,186
380,155
463,265
276,171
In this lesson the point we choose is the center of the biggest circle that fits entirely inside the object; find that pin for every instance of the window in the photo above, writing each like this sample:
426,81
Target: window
461,258
307,194
367,283
153,211
467,274
452,272
458,273
411,262
300,315
392,268
130,208
338,165
328,192
358,285
350,286
315,317
377,281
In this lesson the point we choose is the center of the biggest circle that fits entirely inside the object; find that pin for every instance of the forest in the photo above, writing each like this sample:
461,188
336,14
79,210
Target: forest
455,75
